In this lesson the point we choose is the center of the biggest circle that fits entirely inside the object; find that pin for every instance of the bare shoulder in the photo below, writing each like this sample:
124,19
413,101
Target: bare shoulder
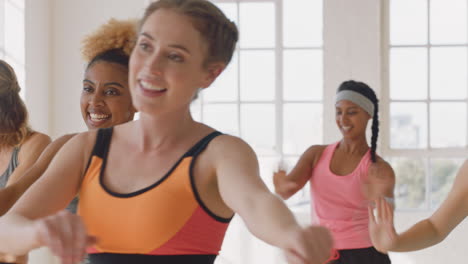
54,147
36,140
83,139
382,170
63,139
226,145
33,146
313,154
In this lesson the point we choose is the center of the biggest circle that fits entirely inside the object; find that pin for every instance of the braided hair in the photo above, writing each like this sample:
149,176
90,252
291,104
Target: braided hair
366,91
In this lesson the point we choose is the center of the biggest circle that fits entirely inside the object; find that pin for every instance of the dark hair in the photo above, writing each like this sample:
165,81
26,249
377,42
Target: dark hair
14,128
366,91
113,56
219,32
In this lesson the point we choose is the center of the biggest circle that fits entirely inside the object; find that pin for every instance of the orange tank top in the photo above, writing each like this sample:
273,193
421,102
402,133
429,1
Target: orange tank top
166,222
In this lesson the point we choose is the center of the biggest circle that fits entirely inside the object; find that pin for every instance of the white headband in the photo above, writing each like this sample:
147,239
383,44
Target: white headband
356,98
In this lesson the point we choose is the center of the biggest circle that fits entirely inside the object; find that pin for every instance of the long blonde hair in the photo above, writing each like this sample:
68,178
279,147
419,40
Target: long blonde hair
14,127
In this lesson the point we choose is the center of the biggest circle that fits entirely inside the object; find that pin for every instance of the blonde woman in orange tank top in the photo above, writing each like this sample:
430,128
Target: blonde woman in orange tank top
345,176
195,177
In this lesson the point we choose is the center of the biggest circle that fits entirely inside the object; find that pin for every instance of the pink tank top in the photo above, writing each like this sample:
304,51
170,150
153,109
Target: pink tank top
339,202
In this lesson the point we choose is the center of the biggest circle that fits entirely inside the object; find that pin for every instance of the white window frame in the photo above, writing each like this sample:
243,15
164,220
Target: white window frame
279,102
428,153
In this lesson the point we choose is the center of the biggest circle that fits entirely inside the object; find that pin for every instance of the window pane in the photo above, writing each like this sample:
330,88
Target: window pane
222,117
258,127
303,75
408,22
225,87
443,172
408,73
296,14
449,73
257,75
448,125
230,10
14,29
257,25
410,189
448,21
408,127
301,127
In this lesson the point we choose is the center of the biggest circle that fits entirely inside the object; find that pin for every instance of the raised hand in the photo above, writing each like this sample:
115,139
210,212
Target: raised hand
284,186
381,228
65,235
311,245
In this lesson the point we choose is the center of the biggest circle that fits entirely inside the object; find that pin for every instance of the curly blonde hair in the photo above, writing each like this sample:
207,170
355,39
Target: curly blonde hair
14,127
116,36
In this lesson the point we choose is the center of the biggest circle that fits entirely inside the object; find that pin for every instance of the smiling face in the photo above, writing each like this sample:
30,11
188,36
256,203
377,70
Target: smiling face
105,99
351,119
167,64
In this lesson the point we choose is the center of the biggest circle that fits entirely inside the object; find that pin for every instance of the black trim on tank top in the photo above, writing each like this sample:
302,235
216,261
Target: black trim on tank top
100,143
105,151
114,258
196,152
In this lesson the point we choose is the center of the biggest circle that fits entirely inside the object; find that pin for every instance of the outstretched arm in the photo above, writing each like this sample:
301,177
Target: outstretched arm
288,185
265,215
10,194
34,222
427,232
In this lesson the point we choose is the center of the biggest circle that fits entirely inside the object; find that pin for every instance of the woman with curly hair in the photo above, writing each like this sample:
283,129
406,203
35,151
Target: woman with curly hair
105,101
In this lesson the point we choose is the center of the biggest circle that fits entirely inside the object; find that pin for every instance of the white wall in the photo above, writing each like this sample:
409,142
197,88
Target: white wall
37,64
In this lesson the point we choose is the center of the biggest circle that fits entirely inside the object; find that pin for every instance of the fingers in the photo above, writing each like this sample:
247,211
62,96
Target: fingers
65,234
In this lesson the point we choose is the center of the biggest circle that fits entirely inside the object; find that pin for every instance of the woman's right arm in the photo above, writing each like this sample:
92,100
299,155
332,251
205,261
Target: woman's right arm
287,185
10,194
34,222
427,232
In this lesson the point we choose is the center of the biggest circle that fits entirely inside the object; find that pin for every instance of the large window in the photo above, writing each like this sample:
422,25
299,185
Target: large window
427,135
12,36
271,95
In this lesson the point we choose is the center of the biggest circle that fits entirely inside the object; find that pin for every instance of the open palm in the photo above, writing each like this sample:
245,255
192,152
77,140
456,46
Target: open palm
381,228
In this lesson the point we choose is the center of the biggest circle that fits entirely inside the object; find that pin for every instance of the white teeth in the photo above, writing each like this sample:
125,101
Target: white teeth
150,86
346,128
98,117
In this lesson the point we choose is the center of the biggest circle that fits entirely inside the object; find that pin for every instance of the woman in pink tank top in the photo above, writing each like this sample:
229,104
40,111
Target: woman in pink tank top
345,176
